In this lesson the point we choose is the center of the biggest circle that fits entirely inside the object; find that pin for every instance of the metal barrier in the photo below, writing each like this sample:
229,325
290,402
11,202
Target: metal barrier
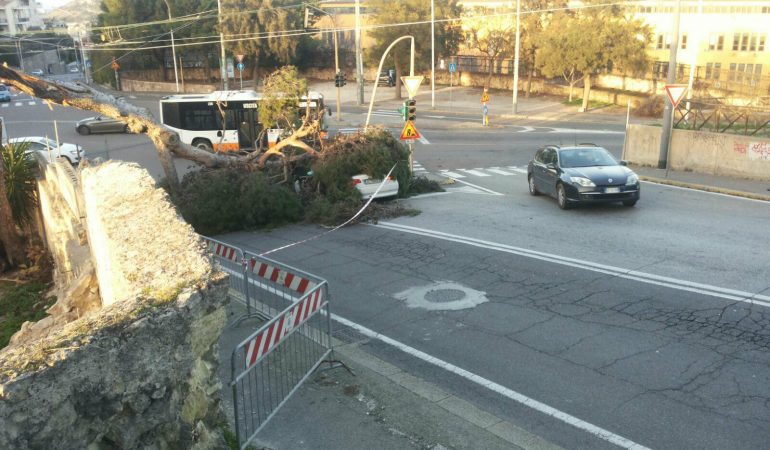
272,362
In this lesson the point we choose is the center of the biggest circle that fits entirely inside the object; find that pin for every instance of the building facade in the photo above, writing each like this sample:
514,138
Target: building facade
18,16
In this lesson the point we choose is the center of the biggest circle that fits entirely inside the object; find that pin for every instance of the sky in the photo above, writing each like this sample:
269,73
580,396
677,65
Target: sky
48,5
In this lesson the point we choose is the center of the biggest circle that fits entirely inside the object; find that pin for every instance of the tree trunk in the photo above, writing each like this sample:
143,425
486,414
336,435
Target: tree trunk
489,73
10,239
571,86
397,91
207,63
255,72
586,92
530,74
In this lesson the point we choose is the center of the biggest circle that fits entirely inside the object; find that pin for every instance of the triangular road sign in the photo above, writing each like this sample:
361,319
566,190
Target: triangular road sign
409,132
412,84
675,93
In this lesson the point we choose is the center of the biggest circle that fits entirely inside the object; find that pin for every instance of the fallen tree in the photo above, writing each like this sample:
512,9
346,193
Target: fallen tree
141,120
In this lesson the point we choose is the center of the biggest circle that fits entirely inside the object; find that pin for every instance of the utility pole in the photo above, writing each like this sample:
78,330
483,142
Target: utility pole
222,60
83,57
694,49
173,47
432,55
359,57
21,58
668,111
516,60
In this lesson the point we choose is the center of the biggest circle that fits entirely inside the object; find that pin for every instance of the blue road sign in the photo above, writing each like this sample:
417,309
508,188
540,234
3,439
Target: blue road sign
453,67
240,66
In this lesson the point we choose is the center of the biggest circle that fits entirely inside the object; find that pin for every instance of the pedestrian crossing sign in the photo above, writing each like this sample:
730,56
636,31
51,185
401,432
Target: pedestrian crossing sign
409,132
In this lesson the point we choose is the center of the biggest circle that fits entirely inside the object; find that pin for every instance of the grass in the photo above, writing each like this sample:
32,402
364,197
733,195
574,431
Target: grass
20,303
591,104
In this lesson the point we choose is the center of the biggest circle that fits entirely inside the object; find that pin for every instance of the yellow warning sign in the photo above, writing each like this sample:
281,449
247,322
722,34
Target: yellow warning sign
485,97
409,132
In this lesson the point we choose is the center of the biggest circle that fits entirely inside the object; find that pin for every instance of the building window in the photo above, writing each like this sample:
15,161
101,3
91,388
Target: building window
684,42
661,40
731,74
709,67
736,42
717,70
744,42
717,42
761,45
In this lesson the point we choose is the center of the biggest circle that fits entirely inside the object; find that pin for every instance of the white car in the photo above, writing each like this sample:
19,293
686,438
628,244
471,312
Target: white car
43,146
37,73
367,186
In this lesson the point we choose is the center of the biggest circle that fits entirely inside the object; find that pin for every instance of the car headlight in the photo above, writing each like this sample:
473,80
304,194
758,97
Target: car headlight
582,181
632,179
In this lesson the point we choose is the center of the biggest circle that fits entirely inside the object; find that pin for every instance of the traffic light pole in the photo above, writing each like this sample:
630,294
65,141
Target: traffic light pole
337,70
379,69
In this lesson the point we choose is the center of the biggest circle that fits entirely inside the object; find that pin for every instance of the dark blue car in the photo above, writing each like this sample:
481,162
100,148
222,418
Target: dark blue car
581,174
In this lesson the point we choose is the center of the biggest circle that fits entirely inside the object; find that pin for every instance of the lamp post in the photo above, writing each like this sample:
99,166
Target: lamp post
173,47
432,55
516,60
359,57
222,60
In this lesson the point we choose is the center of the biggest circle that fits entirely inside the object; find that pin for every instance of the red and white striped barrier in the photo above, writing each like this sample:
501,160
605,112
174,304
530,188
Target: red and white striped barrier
274,332
274,274
224,251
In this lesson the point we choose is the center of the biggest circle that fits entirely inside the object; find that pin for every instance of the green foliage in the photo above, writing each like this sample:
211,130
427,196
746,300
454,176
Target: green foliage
373,153
492,32
422,185
20,183
409,11
279,98
18,304
224,200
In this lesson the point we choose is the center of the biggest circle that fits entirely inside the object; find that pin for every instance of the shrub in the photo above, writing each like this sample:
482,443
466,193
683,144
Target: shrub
650,107
223,200
20,183
422,185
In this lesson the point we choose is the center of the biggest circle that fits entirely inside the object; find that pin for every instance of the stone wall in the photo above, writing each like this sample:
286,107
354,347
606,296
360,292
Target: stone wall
141,371
701,151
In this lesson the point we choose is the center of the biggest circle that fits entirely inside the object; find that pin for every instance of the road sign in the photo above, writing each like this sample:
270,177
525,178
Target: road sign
240,66
452,67
485,97
412,84
675,93
409,132
239,58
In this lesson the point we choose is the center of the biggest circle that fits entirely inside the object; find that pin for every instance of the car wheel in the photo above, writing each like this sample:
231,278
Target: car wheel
84,130
203,144
125,129
532,189
629,203
561,197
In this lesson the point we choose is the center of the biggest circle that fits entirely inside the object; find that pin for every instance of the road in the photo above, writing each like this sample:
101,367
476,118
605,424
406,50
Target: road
600,327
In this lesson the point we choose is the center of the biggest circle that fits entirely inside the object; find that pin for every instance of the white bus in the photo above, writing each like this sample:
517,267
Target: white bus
198,119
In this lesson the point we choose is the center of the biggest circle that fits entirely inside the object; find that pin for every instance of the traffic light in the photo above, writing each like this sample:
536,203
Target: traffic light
340,79
411,109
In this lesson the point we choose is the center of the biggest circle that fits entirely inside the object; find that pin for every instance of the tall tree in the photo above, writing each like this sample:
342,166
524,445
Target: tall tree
414,19
491,32
591,41
262,29
534,20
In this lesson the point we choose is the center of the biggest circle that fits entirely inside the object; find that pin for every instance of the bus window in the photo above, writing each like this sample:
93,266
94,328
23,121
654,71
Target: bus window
199,117
170,115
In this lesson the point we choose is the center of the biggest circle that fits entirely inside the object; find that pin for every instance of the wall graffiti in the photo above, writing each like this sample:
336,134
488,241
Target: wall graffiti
759,151
740,147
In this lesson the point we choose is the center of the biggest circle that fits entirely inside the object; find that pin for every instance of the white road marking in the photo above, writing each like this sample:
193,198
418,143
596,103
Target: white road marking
752,298
517,169
437,117
474,172
424,140
596,431
17,104
578,131
526,129
498,171
485,190
31,103
5,105
451,174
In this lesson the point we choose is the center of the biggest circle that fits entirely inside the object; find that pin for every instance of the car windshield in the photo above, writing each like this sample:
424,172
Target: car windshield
3,87
49,143
586,157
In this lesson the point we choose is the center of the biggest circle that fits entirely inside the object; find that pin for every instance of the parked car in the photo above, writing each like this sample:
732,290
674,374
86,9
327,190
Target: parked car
581,174
5,93
387,78
100,124
368,186
74,69
43,146
37,72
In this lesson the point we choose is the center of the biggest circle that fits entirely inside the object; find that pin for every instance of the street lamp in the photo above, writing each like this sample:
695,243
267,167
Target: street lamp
173,47
336,53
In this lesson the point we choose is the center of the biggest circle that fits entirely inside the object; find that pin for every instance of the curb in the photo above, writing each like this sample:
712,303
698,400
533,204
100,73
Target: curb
702,187
517,437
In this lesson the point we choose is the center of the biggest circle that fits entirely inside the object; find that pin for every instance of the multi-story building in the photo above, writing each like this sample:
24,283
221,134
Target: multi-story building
17,16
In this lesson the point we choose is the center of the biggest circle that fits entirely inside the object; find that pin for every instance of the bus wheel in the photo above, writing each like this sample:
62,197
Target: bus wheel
203,144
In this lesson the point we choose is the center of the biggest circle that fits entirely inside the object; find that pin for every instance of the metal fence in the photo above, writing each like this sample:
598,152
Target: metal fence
269,365
709,115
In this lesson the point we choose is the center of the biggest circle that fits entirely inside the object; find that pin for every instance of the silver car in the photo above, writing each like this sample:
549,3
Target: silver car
49,149
100,124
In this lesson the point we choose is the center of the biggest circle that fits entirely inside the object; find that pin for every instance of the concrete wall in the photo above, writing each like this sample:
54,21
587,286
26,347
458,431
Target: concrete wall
700,151
141,371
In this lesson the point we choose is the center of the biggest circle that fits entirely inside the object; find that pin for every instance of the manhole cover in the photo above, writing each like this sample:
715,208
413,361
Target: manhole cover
442,296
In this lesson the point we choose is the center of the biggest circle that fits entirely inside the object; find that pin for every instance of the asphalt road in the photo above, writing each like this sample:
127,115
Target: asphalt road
598,327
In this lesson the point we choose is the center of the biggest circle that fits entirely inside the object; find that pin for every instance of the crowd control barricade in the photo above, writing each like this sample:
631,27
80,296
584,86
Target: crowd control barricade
273,362
232,261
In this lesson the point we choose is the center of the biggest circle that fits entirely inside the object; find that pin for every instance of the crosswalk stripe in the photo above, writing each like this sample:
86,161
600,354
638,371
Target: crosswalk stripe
31,103
452,174
5,105
498,171
474,172
516,169
17,104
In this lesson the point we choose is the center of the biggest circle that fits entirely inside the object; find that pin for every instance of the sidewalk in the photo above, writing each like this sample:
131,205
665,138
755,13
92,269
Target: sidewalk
754,189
